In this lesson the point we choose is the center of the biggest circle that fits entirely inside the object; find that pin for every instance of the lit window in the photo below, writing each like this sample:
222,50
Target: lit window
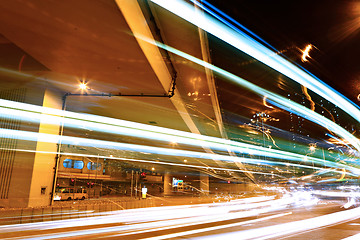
67,163
77,164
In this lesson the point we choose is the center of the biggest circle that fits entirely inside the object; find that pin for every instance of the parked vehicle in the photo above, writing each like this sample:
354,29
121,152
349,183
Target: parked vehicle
67,193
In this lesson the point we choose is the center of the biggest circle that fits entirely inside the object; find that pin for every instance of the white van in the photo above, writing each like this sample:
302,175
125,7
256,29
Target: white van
70,194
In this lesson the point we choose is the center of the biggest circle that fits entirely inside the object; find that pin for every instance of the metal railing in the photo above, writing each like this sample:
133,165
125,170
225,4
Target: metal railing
53,213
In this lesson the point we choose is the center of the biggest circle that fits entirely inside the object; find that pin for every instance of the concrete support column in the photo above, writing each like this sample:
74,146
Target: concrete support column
32,171
204,183
43,167
167,184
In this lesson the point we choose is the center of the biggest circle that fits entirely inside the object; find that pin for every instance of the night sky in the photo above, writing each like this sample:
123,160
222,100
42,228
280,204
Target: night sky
333,27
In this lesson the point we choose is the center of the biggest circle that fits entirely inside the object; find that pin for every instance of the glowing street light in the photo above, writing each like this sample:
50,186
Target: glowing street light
312,148
83,86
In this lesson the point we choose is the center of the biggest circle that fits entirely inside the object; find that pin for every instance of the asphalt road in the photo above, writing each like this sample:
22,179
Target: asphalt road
298,216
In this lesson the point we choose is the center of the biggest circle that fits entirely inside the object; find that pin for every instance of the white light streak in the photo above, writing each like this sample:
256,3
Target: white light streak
274,99
287,229
136,221
103,124
243,42
76,141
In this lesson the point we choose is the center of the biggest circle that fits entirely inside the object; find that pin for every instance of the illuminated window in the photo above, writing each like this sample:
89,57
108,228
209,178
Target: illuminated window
93,165
77,164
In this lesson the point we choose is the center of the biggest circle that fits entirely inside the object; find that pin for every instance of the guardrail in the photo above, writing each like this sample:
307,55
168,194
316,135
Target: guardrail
95,207
87,209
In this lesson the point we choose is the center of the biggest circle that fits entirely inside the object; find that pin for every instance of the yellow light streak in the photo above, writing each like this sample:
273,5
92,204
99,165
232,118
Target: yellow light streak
265,104
342,175
312,104
306,53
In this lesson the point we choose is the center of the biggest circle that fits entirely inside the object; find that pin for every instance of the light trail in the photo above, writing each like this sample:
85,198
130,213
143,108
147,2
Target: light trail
104,124
170,224
212,26
339,141
308,97
132,216
33,113
265,104
306,53
151,162
353,237
287,229
234,27
242,148
138,221
76,141
243,42
273,98
337,194
279,101
202,230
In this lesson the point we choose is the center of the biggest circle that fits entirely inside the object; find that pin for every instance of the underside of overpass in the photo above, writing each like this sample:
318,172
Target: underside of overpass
111,46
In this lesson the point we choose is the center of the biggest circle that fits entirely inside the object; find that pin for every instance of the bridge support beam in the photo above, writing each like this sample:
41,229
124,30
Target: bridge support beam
204,183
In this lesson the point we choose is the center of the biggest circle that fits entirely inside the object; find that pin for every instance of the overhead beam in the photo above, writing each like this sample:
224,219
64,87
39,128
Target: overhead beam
140,29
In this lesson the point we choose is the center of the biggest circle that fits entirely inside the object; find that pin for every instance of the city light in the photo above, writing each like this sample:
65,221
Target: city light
83,86
306,53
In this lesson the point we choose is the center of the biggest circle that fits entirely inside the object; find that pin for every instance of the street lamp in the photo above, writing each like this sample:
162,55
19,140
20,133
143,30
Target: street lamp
83,86
312,148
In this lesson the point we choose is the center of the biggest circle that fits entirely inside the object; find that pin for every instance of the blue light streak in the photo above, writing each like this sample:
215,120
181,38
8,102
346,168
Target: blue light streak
76,141
243,42
273,98
103,124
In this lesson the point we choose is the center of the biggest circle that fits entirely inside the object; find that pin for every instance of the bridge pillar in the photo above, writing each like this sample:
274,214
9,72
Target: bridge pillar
167,184
204,183
27,167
